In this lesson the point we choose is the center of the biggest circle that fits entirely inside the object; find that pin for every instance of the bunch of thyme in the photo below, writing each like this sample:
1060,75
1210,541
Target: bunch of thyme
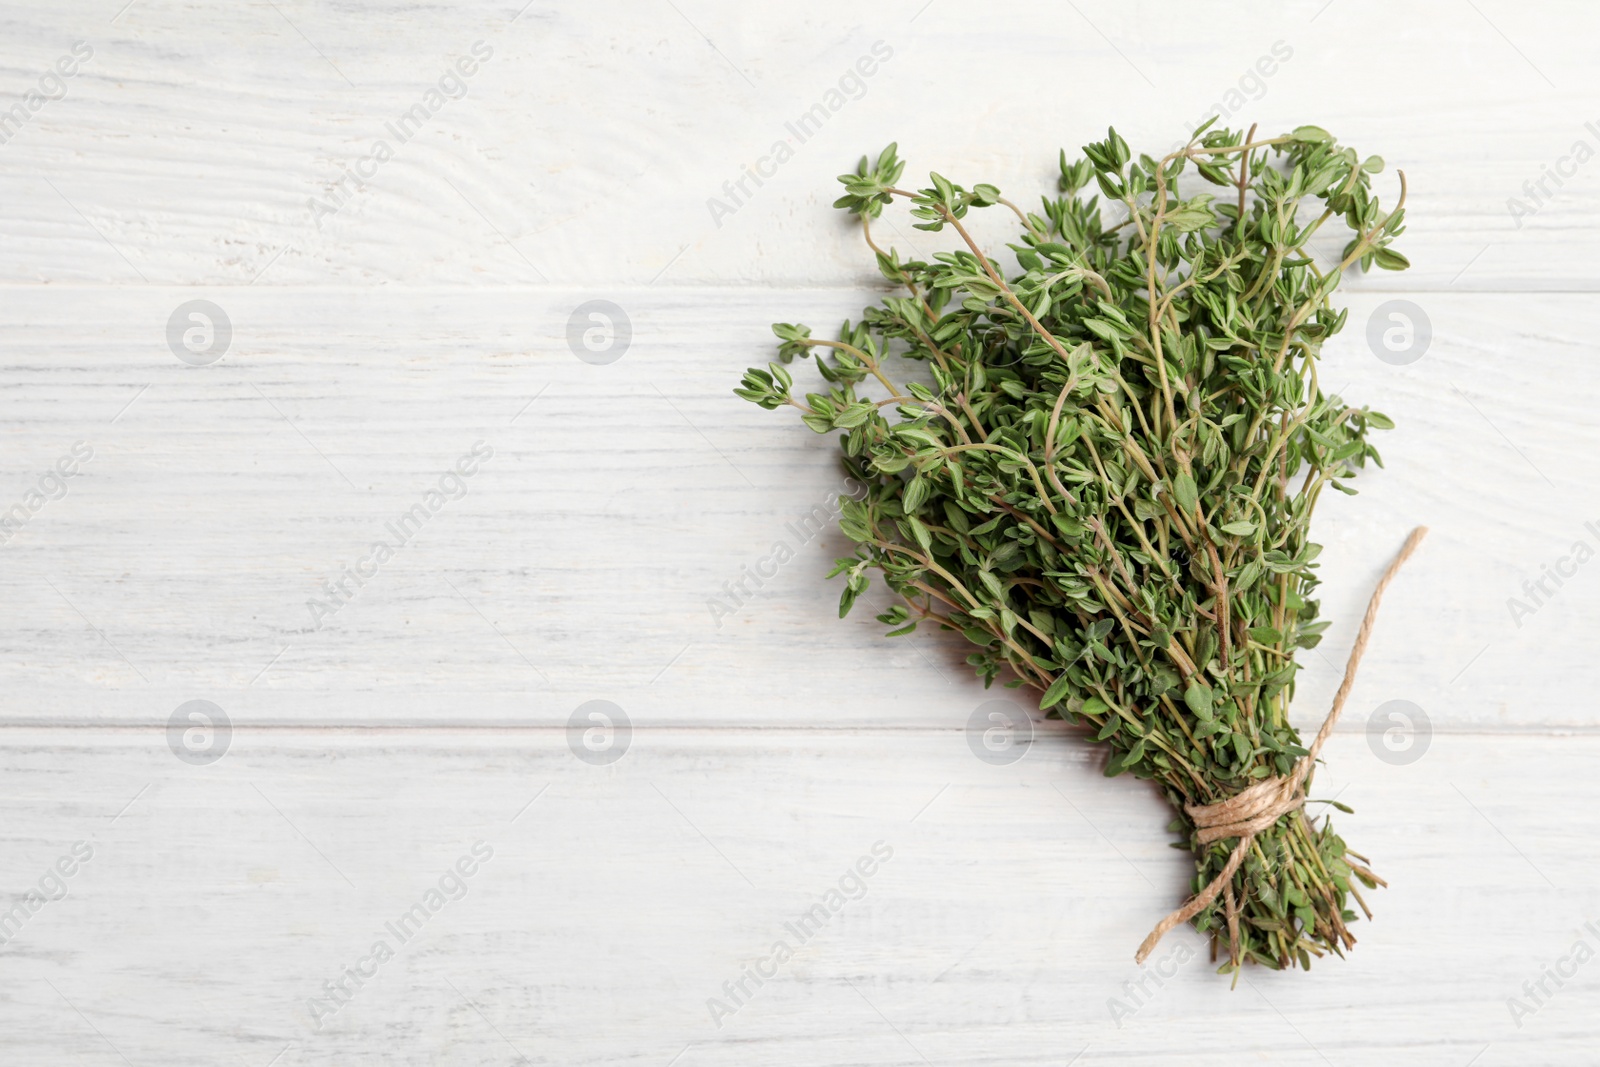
1106,483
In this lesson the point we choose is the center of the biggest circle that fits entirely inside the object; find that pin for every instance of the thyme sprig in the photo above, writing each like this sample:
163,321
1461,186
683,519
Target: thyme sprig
1107,478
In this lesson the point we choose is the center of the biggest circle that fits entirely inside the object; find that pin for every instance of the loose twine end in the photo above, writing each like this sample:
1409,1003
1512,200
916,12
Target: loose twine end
1257,807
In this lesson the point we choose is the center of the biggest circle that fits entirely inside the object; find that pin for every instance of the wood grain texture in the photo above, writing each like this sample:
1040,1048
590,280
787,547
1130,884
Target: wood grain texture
427,310
618,903
586,148
589,557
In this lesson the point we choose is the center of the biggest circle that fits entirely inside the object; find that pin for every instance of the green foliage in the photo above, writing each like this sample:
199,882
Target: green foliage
1106,480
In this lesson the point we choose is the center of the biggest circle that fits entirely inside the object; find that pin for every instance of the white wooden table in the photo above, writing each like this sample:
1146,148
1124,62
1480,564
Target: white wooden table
393,309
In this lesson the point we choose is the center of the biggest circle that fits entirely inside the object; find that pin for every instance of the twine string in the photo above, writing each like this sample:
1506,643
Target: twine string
1255,808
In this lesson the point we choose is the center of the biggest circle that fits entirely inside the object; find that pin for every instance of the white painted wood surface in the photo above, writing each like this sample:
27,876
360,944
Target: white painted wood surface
772,748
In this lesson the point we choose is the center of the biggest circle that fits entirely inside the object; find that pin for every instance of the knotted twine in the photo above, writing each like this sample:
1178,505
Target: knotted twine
1257,807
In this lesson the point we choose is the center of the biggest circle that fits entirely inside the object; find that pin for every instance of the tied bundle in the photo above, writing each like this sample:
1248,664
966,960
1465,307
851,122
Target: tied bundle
1097,458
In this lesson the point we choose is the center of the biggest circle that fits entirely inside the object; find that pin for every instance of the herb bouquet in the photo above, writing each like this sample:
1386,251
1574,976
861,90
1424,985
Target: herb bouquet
1106,482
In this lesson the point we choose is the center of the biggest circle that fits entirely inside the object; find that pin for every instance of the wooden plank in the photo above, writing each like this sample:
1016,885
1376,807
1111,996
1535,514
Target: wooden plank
587,147
592,555
618,899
